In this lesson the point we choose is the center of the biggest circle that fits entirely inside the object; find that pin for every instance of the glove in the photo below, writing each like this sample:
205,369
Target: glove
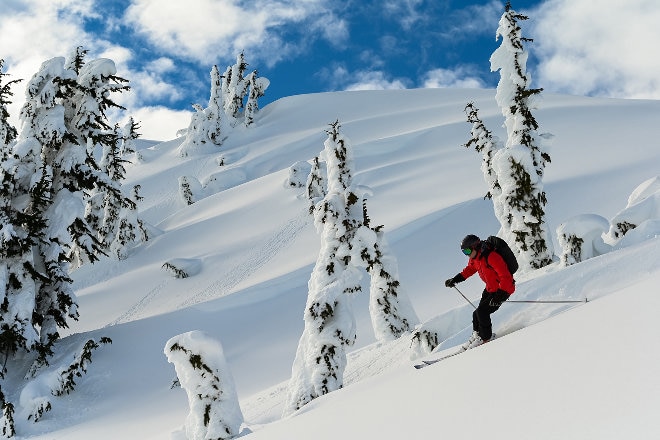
498,297
451,282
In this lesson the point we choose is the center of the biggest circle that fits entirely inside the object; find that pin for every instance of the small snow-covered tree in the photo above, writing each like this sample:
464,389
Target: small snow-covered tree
257,88
203,373
234,87
76,59
581,238
520,165
391,313
317,183
485,143
329,322
8,132
208,126
643,204
128,135
215,112
298,173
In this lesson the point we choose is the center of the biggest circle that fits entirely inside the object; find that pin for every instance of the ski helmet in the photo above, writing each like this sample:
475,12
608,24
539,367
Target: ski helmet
470,242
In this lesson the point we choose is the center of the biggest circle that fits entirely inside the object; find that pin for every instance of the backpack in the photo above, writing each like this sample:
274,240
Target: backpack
500,246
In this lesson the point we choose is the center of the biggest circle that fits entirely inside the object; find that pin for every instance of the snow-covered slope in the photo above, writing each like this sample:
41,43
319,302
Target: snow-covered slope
572,372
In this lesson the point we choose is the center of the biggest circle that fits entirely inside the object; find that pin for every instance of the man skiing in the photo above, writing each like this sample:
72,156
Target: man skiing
499,281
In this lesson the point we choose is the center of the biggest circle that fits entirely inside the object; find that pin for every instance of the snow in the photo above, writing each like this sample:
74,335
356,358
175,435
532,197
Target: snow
571,371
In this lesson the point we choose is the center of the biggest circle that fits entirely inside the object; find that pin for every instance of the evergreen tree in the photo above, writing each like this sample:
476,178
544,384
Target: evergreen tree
235,87
208,126
391,313
257,88
8,132
45,176
329,322
485,143
203,373
215,111
128,135
76,59
348,244
317,183
109,213
53,171
16,286
520,166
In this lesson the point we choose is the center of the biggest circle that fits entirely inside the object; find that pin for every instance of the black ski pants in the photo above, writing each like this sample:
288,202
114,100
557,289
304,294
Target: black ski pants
481,322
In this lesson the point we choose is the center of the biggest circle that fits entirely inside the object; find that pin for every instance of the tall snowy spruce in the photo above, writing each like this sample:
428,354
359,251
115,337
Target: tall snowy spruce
349,246
329,321
16,293
111,214
46,176
520,165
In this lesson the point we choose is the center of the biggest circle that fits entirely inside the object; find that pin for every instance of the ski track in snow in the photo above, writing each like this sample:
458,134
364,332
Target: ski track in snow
136,309
255,259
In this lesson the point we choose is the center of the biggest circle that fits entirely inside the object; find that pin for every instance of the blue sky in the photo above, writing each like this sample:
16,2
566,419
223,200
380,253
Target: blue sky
166,48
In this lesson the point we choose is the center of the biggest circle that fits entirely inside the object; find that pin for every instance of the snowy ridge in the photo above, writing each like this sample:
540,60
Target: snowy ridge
257,248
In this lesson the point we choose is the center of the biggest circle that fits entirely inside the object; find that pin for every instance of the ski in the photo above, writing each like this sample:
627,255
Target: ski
433,361
460,350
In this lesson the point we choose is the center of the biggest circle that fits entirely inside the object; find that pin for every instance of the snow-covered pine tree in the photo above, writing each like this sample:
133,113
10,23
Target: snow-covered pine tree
257,87
203,373
76,59
329,322
235,87
45,164
109,212
520,165
16,286
485,143
215,112
52,173
128,134
317,183
8,132
391,312
208,126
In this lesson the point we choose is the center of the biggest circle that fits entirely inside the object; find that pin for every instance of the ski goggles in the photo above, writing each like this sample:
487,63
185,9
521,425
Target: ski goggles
467,252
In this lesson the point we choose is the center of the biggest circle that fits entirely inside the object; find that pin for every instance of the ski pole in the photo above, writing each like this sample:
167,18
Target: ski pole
465,297
547,302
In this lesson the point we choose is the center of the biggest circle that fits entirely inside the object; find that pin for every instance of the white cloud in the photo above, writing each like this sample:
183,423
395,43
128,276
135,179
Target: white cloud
404,11
161,65
160,123
32,36
204,30
448,78
606,49
374,80
474,19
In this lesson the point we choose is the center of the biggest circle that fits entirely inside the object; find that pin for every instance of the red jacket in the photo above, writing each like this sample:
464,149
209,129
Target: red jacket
492,270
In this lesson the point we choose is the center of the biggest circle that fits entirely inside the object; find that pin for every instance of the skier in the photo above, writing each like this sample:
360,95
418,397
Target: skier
499,286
